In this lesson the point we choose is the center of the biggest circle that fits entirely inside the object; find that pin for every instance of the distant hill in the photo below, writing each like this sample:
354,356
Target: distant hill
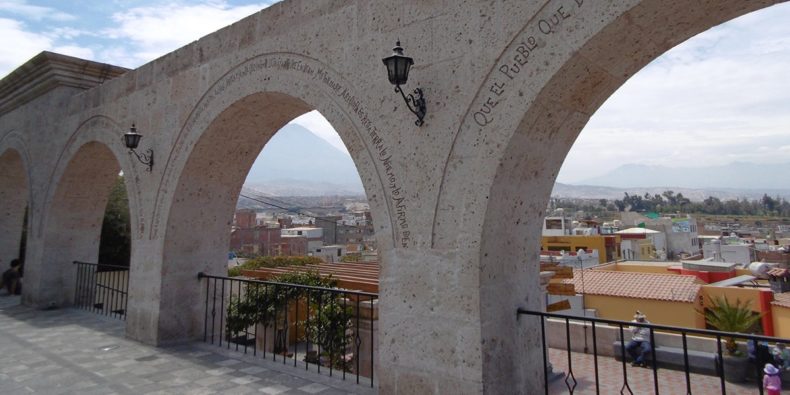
736,175
695,194
296,162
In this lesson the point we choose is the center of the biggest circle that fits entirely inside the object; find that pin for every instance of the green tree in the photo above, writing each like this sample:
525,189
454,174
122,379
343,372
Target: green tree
115,245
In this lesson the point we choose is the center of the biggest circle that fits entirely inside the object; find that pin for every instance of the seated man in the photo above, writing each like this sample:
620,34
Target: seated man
640,338
781,356
12,278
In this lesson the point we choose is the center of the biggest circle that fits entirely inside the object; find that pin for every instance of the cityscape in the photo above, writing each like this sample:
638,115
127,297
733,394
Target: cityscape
569,197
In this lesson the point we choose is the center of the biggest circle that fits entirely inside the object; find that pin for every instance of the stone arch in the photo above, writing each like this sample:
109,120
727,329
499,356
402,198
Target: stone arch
72,209
536,99
217,146
15,193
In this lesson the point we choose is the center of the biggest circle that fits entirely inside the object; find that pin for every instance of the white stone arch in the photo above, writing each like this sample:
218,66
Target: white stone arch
15,194
215,149
536,98
72,209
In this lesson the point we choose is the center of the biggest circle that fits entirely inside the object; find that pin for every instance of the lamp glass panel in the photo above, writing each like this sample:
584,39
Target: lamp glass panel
132,140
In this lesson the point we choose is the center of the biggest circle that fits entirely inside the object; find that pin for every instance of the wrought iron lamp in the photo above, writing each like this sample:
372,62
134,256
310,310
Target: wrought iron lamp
398,67
132,139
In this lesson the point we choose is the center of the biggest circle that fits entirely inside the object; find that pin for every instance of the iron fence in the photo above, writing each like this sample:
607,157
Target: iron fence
323,328
102,288
756,357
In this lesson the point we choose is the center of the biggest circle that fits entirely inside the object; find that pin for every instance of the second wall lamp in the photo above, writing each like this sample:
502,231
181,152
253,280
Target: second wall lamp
398,67
131,139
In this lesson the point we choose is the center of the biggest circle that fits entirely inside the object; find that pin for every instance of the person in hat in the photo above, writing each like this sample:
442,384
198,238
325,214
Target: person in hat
772,383
640,339
781,356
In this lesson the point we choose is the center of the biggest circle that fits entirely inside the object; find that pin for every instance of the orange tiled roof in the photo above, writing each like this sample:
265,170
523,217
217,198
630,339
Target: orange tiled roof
669,287
782,300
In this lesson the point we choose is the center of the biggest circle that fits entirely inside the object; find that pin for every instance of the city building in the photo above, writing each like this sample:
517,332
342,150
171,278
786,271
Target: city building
608,246
680,231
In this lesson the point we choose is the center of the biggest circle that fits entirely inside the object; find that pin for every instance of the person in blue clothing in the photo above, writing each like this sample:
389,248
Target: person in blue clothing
639,346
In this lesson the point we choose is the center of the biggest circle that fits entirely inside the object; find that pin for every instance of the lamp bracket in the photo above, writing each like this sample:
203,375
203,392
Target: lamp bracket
415,102
146,159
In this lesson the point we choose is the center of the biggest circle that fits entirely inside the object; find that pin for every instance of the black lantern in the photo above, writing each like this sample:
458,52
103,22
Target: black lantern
132,139
398,67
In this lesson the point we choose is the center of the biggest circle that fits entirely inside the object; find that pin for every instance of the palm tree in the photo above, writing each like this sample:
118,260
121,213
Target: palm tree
728,317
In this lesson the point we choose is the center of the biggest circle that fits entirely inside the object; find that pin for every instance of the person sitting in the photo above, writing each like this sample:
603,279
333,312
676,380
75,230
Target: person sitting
640,338
781,356
12,278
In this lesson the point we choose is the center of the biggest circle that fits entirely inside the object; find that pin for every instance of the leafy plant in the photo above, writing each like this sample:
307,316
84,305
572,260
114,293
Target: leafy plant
234,271
329,329
267,304
280,261
726,317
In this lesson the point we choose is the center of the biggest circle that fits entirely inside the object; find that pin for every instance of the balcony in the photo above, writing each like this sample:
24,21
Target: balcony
585,355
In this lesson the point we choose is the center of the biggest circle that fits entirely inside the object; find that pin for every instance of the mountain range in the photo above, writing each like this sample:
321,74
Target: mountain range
738,175
296,162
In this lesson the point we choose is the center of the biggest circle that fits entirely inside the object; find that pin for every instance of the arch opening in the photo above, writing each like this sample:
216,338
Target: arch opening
72,231
533,154
14,193
200,225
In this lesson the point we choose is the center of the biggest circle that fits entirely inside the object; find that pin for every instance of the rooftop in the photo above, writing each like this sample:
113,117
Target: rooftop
668,287
782,300
636,231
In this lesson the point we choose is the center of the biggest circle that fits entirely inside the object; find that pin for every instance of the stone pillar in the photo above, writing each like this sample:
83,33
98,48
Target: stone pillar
447,329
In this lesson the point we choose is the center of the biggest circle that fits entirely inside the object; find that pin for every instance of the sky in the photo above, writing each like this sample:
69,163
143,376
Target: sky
720,97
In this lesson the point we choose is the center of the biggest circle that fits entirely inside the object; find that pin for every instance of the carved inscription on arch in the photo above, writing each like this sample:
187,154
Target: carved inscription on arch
269,66
519,56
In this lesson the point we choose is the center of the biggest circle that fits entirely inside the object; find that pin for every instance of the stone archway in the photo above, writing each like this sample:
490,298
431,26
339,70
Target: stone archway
217,146
15,195
553,76
72,210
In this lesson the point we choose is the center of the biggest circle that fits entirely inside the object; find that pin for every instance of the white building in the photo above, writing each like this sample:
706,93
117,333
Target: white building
314,236
330,253
729,251
680,231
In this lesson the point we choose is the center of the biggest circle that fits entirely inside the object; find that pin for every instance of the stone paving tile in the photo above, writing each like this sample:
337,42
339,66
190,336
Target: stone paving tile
70,351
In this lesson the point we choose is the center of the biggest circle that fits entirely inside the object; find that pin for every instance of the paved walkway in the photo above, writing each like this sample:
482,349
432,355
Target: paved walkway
640,380
70,351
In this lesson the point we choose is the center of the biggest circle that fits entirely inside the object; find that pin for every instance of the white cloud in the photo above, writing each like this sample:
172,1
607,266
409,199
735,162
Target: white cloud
720,96
25,45
159,29
34,12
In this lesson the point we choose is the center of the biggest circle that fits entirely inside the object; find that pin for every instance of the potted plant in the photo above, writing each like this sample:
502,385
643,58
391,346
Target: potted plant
736,318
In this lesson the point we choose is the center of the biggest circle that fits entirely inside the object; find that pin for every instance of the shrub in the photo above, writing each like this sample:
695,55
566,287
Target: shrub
727,317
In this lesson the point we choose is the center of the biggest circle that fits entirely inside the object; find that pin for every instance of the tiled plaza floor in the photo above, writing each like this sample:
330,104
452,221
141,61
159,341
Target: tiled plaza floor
640,380
70,351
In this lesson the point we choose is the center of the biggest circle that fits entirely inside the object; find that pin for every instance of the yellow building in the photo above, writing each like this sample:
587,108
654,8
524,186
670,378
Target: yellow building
618,295
608,246
780,312
667,299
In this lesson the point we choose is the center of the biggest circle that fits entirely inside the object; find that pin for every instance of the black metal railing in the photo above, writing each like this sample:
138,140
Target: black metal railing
102,288
326,328
757,360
